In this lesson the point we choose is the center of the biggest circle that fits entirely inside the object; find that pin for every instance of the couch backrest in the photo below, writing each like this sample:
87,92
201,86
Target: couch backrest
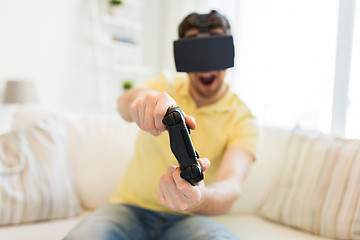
265,170
102,144
100,147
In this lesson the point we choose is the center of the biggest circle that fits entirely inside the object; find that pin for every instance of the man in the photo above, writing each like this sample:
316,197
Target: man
153,201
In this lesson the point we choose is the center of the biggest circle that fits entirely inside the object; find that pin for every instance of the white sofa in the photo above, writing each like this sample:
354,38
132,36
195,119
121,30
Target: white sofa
102,145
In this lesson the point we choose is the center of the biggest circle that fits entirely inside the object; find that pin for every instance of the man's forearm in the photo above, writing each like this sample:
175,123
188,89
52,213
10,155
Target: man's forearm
218,198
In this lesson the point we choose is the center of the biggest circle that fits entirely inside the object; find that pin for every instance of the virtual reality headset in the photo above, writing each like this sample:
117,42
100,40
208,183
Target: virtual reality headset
204,52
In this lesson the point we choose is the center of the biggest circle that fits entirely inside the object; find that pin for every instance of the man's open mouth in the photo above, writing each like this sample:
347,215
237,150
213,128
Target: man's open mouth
207,80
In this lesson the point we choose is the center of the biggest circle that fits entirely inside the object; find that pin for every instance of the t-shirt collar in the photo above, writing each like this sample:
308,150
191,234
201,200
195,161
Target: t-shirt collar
217,106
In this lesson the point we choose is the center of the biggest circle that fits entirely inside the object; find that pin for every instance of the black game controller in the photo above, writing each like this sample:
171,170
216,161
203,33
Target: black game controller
181,146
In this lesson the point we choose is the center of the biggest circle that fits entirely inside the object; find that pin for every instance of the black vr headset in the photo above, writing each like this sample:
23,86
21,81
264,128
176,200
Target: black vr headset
205,51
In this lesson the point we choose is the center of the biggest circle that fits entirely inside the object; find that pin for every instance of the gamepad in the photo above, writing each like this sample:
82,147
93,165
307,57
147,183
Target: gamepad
181,145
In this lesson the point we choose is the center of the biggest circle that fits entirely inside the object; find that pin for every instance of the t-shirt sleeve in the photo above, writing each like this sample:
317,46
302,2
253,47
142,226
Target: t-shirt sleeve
246,135
158,83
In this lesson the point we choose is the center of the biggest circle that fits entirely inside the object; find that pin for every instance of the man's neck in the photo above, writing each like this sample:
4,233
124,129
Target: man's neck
202,101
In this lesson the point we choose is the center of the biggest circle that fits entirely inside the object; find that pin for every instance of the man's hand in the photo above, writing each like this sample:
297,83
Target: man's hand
178,194
149,108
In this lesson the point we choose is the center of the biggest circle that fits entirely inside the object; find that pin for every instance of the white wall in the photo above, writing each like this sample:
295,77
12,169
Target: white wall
49,41
281,45
154,31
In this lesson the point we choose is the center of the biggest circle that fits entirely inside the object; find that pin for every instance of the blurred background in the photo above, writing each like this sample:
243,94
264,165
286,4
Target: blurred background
297,61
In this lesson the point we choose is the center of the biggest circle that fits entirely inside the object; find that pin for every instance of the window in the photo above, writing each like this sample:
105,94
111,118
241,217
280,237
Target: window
285,61
353,112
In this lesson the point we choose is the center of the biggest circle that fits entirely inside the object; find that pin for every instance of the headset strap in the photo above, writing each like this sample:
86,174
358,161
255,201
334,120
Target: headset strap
204,23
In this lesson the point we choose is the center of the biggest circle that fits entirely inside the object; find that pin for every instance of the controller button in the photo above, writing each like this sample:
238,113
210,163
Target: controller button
195,172
173,119
176,117
187,173
168,120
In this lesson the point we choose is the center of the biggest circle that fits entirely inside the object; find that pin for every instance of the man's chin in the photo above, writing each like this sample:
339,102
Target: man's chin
207,93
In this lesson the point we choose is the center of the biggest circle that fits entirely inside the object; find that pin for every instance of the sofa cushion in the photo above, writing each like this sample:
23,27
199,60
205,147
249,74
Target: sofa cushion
36,183
251,227
56,229
319,187
100,147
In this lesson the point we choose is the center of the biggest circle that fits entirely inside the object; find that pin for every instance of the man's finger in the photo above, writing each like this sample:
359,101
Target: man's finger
205,163
149,121
159,113
141,114
184,186
178,179
190,121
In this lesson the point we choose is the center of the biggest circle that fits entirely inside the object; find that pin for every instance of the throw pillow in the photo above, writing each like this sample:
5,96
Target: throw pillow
36,183
319,189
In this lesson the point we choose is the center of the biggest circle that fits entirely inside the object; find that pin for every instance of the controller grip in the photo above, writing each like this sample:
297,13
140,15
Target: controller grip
192,174
181,145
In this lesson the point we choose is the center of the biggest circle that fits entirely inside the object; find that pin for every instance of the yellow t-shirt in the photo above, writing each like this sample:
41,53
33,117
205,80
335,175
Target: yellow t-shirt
226,123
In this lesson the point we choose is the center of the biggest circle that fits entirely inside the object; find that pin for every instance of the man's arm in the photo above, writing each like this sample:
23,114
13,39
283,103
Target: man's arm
214,199
219,197
147,108
125,100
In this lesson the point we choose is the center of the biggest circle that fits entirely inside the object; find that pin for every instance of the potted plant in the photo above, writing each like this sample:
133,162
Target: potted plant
127,84
115,2
115,7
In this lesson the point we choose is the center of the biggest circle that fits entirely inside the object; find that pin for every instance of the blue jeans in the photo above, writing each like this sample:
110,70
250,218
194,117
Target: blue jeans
120,221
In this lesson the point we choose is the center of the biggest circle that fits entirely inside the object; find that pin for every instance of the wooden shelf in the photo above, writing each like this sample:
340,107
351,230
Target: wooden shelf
118,34
118,21
132,69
